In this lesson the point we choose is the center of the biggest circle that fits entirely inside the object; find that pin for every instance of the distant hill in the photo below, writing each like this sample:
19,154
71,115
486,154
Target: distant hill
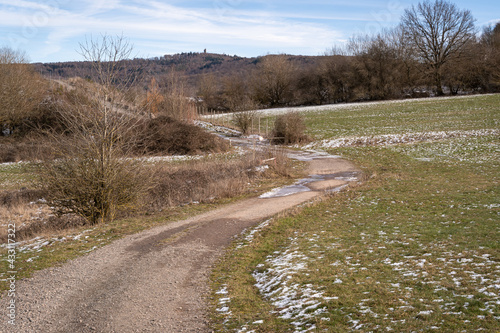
188,66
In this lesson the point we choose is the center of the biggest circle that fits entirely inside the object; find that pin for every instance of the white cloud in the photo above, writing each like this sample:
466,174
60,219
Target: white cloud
158,22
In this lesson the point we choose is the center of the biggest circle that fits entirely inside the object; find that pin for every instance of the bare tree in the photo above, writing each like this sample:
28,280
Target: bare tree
273,80
490,41
408,68
93,178
374,67
438,31
21,89
175,102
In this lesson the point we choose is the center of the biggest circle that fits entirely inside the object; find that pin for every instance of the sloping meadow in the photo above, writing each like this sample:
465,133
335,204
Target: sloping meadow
413,248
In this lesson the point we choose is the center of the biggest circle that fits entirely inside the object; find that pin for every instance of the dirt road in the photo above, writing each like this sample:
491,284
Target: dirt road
153,281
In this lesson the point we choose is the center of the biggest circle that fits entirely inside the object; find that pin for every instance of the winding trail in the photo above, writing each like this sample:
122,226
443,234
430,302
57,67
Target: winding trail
155,281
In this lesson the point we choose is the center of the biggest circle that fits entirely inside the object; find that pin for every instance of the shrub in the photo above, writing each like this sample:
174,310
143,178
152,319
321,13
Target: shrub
92,187
244,120
288,129
92,176
165,135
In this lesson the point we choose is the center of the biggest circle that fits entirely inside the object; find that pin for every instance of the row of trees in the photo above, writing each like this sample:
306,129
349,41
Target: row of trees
435,50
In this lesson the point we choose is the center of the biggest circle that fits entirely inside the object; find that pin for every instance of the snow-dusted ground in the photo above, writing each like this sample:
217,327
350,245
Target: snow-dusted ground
33,247
304,305
329,107
300,304
393,139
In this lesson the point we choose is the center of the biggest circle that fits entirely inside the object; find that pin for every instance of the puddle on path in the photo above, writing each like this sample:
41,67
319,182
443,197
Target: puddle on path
309,155
302,184
258,143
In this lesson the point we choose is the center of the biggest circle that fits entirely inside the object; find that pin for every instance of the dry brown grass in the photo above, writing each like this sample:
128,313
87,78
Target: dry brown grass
23,150
198,181
27,210
205,181
21,215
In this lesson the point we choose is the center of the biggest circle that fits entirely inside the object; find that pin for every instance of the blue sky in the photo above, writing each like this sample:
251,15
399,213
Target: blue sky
51,30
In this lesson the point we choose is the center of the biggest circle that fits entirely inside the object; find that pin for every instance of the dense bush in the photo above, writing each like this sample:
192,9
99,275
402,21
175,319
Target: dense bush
289,128
165,135
244,120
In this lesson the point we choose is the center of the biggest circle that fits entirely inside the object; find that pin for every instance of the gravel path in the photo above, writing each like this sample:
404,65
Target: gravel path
154,281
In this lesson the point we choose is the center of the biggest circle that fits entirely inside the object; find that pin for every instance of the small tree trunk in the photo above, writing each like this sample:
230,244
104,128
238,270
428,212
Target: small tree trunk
438,81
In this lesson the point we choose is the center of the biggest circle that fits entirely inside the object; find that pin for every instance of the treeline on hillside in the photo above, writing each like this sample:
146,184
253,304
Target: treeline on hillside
190,68
435,50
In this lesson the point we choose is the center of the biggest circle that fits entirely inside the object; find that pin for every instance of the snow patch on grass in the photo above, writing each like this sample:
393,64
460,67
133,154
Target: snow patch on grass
300,304
393,139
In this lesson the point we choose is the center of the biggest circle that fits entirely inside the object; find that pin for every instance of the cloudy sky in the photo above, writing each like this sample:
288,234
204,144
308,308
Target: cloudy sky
51,30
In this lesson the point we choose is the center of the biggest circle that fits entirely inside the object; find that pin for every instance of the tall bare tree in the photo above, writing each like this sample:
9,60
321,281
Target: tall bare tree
490,41
93,176
273,79
439,31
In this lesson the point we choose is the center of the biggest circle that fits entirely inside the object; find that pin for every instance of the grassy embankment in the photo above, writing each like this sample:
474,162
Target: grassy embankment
414,248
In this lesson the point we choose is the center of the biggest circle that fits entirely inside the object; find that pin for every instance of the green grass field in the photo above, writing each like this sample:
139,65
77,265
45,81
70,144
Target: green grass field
396,117
415,247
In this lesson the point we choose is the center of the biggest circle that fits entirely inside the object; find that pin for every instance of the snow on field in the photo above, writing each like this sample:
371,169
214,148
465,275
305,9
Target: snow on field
300,304
215,128
477,150
250,236
34,247
36,244
330,107
393,139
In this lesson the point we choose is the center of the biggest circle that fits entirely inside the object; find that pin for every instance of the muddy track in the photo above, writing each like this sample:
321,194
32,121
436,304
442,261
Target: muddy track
154,281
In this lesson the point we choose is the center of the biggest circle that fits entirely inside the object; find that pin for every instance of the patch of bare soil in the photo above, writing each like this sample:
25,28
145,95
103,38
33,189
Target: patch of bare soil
154,281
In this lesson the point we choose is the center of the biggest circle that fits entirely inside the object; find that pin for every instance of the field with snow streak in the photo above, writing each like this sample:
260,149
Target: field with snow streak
414,248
